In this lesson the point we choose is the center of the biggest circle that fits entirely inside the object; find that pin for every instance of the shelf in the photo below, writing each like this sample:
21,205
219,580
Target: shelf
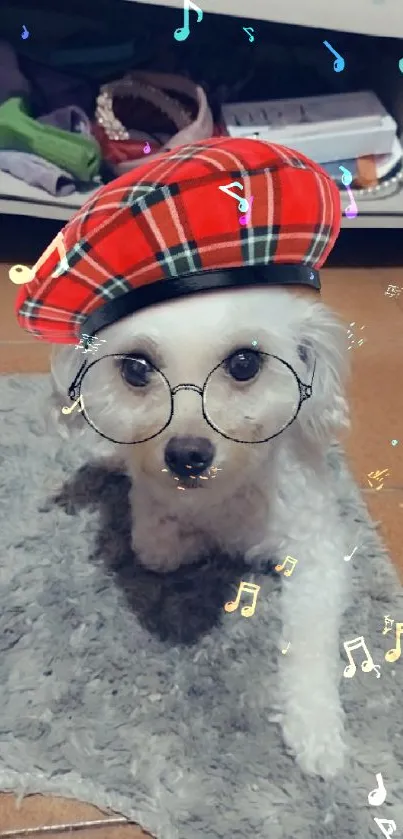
17,198
382,18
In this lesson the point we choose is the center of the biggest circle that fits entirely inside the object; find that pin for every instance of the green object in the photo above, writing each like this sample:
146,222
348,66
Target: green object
77,153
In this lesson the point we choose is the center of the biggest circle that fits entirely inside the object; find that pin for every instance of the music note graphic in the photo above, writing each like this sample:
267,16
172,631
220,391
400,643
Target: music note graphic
346,177
292,562
249,30
66,410
378,795
246,219
351,209
20,274
395,652
387,831
339,64
348,556
243,205
388,624
246,611
286,649
183,33
366,665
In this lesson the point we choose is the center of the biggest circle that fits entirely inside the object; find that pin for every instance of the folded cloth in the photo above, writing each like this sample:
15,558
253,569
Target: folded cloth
77,153
12,81
70,118
36,171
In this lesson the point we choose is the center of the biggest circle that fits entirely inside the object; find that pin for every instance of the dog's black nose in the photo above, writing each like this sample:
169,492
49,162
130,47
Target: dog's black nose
187,456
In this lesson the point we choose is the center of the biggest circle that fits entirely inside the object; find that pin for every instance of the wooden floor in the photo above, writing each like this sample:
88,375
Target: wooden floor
355,287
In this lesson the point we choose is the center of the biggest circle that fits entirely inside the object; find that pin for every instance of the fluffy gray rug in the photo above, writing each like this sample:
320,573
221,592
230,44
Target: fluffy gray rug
138,692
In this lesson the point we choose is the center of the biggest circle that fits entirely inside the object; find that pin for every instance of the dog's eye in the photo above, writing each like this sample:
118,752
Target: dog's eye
136,370
243,365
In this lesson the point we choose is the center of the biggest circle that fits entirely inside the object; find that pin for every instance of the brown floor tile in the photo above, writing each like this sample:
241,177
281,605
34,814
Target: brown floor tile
26,357
38,810
376,401
9,327
386,507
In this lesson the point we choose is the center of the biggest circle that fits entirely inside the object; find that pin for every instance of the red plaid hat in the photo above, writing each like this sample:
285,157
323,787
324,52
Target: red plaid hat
165,229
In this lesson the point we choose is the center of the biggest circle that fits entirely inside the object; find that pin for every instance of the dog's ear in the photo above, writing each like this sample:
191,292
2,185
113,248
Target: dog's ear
322,347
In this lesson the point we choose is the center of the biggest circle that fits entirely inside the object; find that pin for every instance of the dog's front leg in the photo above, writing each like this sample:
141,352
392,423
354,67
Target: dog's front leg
313,601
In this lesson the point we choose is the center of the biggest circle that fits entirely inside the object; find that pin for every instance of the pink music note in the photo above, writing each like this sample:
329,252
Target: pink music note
246,219
351,209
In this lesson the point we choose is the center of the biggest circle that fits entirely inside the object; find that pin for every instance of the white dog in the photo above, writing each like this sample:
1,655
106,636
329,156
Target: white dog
195,490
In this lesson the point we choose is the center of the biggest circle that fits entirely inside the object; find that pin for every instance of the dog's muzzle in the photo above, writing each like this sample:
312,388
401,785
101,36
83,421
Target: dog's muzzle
189,457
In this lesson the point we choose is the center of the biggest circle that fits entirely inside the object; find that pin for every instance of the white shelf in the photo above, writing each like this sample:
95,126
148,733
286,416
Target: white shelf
383,18
17,198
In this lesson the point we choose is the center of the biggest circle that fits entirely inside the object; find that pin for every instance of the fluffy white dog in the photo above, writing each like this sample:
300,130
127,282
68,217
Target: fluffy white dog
195,490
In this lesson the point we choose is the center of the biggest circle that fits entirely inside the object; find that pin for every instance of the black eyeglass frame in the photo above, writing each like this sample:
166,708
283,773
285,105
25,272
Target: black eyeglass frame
305,391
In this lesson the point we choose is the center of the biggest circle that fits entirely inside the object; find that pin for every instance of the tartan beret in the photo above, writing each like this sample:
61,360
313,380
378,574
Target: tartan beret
166,229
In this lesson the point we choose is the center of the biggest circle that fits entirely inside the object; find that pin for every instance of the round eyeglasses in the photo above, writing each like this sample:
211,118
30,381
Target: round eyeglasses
138,403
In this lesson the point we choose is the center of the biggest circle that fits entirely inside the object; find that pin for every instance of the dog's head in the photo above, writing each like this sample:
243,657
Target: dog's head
192,387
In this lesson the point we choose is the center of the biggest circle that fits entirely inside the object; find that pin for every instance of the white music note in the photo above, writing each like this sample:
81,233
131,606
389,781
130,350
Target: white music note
243,205
378,795
183,32
387,831
348,556
366,665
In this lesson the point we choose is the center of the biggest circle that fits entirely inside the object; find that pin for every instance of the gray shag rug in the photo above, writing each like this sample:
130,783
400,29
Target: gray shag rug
137,692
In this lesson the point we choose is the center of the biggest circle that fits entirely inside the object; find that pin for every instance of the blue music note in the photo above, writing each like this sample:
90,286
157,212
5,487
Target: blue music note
339,64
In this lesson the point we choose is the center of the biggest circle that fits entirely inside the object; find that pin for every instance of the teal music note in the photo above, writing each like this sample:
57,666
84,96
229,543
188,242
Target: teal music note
339,64
346,177
183,33
243,205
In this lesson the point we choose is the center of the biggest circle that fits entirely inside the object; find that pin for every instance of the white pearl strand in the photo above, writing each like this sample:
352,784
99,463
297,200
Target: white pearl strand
373,192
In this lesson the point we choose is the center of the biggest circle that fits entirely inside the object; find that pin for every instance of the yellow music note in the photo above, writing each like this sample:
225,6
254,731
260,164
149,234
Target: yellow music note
366,665
394,653
292,562
20,274
246,611
66,410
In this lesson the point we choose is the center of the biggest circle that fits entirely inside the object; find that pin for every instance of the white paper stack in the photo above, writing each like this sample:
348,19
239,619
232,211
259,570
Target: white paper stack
340,126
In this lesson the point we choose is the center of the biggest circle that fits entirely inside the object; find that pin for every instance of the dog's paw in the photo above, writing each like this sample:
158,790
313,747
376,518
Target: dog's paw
319,748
